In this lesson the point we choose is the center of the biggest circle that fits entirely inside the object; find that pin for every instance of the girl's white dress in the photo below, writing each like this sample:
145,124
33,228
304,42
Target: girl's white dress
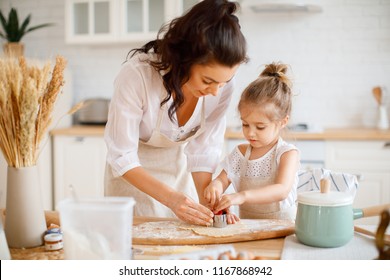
251,174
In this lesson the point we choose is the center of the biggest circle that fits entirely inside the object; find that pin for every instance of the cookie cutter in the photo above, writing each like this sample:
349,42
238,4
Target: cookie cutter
220,221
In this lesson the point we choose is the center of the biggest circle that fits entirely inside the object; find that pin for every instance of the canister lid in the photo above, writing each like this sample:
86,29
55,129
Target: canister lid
325,197
53,237
317,198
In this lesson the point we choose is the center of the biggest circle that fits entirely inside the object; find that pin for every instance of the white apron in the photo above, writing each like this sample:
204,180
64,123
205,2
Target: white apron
261,211
165,160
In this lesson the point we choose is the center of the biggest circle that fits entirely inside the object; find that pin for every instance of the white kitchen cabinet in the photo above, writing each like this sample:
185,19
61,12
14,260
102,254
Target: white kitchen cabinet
79,161
113,21
370,161
90,21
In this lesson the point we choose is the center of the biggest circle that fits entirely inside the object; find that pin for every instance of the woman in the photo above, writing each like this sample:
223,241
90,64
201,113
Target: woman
167,114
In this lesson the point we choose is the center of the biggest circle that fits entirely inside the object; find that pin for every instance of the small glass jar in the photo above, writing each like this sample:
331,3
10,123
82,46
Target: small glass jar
53,242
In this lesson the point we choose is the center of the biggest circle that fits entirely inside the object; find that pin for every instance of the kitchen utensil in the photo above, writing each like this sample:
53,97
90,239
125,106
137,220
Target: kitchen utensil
386,237
220,221
377,92
97,228
325,218
94,112
381,244
382,118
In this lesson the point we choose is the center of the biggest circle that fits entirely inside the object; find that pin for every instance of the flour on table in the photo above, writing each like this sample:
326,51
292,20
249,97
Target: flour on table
229,230
180,233
161,230
177,229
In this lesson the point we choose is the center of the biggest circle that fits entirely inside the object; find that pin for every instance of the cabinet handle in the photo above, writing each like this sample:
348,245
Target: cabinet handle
386,145
359,177
79,139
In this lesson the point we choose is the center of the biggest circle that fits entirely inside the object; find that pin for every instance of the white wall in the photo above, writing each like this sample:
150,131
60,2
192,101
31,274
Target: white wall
337,56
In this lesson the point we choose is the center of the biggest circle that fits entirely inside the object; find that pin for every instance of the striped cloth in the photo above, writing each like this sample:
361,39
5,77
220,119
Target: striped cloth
309,180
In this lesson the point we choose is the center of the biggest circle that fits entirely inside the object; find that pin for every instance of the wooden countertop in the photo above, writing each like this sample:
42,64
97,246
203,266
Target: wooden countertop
269,249
347,134
80,130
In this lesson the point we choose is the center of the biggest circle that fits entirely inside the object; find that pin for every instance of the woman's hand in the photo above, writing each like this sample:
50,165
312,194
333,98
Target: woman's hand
189,211
213,192
228,200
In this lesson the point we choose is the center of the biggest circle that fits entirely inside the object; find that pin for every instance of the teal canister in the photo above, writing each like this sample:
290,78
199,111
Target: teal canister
324,218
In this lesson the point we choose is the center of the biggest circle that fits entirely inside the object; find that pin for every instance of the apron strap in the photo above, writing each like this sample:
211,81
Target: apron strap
248,152
163,108
160,117
244,163
202,118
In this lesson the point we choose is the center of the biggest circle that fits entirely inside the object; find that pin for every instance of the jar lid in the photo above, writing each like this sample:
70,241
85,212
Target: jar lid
53,237
316,198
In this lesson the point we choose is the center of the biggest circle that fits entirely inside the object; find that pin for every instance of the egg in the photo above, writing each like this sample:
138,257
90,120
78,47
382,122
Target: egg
245,255
260,258
226,256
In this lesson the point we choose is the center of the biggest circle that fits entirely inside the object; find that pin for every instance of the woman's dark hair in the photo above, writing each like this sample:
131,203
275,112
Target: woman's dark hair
208,32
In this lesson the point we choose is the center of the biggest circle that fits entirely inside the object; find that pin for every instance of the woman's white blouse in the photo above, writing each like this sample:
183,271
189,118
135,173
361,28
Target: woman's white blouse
133,113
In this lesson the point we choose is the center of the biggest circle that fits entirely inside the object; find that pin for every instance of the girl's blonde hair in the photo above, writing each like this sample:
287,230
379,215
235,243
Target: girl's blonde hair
272,87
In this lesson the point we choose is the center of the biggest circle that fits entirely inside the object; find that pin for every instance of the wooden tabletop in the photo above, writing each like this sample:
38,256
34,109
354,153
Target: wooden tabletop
270,249
358,133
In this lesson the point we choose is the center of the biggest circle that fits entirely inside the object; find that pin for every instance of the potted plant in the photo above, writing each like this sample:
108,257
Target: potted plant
13,32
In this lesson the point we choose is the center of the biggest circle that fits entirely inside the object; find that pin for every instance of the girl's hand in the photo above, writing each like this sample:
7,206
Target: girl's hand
213,192
189,211
231,217
228,200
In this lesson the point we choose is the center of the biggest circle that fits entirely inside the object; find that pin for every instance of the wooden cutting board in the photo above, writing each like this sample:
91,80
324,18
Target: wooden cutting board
174,232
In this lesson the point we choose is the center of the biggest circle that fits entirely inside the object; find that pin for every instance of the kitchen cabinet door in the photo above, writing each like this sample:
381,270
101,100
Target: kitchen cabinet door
370,161
78,162
90,21
140,20
113,21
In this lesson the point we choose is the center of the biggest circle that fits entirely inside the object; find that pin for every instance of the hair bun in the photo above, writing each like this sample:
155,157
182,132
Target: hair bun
222,8
230,7
275,69
273,74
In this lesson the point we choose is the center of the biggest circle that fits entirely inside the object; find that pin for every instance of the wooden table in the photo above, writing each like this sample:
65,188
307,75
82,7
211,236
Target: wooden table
265,249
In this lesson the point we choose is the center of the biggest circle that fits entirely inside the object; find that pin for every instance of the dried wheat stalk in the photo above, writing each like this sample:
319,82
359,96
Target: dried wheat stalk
27,99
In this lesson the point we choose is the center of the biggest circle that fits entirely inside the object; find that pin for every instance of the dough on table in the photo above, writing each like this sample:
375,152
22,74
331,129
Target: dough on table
229,230
178,230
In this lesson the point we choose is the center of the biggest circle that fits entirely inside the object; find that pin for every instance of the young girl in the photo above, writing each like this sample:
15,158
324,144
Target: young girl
264,171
